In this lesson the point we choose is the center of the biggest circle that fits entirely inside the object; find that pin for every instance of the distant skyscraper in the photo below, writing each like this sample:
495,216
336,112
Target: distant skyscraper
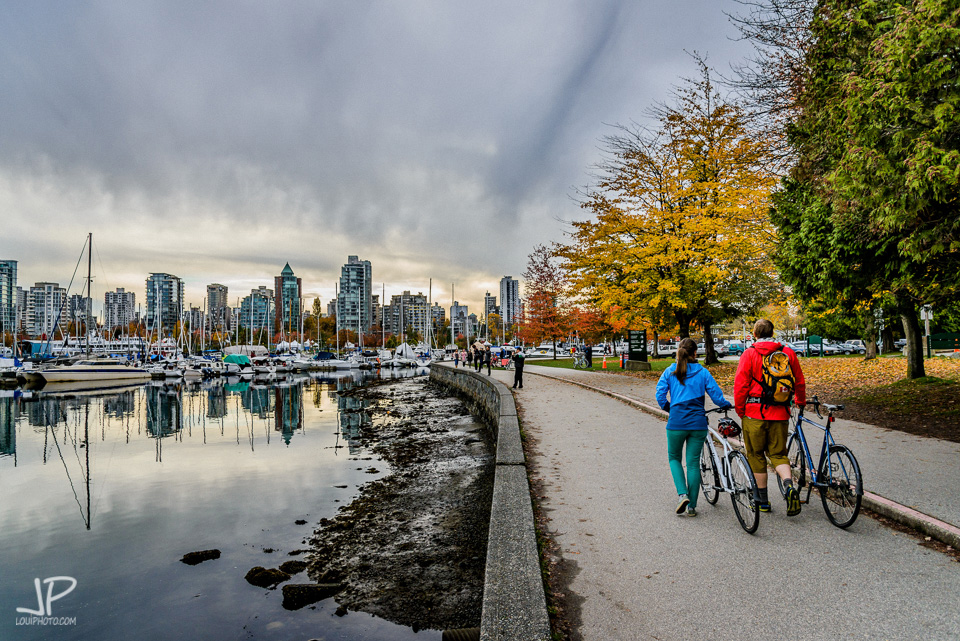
332,308
376,316
412,307
46,308
119,308
79,307
458,318
256,310
8,295
288,290
509,300
21,308
489,305
354,302
218,307
164,301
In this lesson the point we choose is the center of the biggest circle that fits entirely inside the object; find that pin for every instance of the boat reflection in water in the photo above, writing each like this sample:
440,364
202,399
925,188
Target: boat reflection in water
158,470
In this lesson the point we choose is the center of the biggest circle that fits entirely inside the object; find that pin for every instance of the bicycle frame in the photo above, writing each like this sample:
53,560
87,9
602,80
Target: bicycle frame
824,447
720,463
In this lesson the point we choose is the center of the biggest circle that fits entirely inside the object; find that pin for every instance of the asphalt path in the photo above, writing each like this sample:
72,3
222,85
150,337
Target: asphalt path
644,573
915,471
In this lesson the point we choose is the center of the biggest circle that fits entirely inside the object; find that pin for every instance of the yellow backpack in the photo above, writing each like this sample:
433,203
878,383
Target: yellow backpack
777,381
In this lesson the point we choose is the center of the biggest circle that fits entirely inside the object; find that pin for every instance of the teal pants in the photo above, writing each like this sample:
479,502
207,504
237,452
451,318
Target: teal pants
688,484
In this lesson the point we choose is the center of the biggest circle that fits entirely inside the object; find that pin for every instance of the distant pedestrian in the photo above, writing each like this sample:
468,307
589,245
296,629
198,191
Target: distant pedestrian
588,352
686,383
518,359
487,357
456,359
469,358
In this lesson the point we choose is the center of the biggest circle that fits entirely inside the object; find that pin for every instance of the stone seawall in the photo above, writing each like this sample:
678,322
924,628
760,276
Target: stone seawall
514,604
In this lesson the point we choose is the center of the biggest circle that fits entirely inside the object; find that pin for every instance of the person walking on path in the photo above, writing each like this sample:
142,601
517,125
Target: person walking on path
768,377
456,359
518,359
487,357
686,383
588,352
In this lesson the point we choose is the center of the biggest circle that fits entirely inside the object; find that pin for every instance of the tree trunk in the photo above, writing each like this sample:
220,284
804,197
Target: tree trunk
683,322
656,345
710,356
870,336
554,349
914,346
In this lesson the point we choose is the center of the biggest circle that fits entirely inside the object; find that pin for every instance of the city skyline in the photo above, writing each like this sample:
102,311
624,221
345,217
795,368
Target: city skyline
438,141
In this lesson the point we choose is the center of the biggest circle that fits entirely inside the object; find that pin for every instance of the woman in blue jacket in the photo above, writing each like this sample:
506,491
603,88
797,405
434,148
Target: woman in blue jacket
686,383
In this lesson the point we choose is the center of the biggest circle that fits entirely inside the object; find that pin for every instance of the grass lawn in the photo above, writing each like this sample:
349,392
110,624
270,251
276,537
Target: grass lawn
613,364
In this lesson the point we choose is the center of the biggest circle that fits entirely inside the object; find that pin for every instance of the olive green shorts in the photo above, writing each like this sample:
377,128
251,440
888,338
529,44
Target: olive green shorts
765,437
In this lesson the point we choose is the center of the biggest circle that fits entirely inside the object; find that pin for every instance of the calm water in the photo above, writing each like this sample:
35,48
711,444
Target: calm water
112,488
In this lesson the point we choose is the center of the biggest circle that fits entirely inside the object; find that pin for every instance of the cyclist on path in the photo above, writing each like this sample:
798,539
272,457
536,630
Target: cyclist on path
768,377
686,382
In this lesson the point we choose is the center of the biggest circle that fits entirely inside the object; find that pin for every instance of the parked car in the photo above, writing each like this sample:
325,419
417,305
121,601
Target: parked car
735,348
851,348
900,343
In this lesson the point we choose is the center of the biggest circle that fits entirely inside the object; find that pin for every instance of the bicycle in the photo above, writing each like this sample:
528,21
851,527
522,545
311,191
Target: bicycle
729,473
579,360
837,477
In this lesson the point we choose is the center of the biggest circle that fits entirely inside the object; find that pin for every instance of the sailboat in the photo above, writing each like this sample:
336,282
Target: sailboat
90,369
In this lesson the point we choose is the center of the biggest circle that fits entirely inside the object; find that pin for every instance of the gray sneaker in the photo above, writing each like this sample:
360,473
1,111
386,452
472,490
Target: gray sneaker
691,511
682,505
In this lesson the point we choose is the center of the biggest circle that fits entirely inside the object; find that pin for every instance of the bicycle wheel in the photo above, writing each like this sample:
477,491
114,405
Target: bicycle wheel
798,464
744,491
710,481
842,491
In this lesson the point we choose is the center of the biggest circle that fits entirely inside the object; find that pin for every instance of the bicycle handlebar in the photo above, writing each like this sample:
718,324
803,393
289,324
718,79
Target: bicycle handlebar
815,402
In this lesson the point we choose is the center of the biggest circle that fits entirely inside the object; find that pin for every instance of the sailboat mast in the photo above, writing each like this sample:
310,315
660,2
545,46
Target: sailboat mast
89,287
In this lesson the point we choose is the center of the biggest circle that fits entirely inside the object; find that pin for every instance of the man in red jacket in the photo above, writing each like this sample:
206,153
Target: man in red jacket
768,378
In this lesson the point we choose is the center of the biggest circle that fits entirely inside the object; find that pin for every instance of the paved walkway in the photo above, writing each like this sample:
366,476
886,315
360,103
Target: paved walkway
644,573
914,471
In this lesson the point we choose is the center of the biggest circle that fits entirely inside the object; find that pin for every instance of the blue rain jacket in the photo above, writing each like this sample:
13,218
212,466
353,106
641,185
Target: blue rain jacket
686,400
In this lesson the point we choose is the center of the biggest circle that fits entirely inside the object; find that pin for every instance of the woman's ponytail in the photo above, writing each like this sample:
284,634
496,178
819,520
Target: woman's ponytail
686,353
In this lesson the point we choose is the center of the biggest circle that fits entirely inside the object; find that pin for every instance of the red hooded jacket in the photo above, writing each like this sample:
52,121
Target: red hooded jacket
750,370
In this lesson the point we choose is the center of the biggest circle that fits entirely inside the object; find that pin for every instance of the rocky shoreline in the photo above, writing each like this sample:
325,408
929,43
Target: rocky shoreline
411,548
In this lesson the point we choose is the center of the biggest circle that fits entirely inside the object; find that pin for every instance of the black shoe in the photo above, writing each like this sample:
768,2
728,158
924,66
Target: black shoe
793,501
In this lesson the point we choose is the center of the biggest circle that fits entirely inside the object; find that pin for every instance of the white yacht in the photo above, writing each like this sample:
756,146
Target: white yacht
94,369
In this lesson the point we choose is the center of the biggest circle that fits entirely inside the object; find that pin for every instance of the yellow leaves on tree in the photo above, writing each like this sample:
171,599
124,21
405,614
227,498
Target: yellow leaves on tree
679,232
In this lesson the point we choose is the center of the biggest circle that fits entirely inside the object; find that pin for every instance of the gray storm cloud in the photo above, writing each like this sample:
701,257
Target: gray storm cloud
219,140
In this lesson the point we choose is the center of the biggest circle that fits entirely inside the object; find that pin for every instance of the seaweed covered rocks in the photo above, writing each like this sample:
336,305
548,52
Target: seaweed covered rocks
411,547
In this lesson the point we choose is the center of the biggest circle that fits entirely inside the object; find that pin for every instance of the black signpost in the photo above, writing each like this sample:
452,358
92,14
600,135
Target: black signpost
637,345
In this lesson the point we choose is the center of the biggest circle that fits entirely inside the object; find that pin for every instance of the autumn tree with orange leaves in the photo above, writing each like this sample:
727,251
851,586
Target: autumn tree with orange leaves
545,302
679,235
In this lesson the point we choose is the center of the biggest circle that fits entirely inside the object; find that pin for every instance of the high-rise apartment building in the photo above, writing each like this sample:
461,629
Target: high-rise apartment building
21,308
376,317
509,301
80,308
256,310
288,308
490,305
406,312
46,308
458,318
8,296
354,301
164,301
218,308
332,308
119,308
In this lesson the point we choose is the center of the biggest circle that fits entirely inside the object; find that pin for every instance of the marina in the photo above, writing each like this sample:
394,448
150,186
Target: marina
112,483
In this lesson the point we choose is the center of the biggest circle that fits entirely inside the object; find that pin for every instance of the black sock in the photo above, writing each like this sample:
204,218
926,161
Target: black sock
788,483
763,495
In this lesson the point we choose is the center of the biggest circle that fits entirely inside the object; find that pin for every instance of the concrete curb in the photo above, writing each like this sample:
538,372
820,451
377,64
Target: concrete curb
514,602
929,525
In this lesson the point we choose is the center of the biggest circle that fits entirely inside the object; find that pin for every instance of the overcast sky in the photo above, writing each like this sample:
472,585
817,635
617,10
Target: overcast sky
218,140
